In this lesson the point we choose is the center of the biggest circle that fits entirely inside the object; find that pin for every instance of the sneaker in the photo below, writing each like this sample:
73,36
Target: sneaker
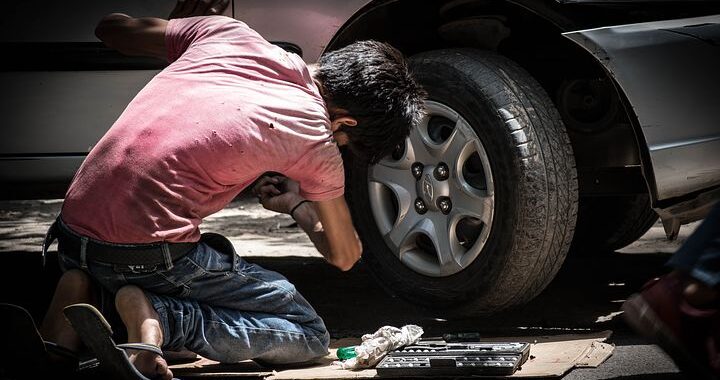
691,336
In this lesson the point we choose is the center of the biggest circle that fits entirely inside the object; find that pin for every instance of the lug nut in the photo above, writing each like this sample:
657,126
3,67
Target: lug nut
444,204
420,206
442,172
417,170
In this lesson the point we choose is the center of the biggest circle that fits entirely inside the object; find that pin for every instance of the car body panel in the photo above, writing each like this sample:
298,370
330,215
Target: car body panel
67,88
60,110
69,21
668,71
40,113
309,24
37,170
627,1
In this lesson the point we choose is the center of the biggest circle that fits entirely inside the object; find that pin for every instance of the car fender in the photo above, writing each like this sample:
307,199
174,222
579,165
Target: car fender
668,72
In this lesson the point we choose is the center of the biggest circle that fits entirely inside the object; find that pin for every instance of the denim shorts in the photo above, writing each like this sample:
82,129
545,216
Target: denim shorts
218,305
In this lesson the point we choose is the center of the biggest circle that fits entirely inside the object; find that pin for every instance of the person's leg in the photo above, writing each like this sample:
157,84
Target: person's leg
143,326
231,310
230,336
74,286
680,310
273,313
699,258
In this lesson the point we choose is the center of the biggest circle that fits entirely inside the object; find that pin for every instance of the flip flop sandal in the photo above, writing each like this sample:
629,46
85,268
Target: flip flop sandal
22,348
96,333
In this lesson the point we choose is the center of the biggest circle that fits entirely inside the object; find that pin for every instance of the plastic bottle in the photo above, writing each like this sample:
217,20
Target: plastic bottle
344,353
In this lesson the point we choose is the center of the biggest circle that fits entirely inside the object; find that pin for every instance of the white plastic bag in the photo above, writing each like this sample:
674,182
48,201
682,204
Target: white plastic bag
375,346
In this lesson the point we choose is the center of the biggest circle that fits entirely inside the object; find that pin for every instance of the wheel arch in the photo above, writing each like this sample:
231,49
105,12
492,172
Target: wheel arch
611,160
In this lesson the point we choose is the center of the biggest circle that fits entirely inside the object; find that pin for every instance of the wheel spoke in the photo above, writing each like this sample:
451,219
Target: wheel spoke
392,176
404,162
451,149
401,231
418,141
443,238
469,202
401,183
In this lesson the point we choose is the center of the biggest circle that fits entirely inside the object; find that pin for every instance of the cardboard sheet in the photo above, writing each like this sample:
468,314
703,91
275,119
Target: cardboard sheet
550,356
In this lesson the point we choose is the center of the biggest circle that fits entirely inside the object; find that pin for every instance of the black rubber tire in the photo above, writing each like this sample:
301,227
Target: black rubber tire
606,224
536,188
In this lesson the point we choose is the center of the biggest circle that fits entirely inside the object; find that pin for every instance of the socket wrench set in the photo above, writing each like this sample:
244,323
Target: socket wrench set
439,358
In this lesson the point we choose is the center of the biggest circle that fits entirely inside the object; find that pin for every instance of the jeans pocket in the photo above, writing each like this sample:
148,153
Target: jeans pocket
174,282
214,254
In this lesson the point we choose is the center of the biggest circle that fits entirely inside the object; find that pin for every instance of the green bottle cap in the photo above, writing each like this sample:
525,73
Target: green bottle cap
344,353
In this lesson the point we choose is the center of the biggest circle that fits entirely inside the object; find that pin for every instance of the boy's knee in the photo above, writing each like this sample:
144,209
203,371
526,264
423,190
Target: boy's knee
128,296
323,338
316,330
317,349
321,349
75,279
318,342
298,353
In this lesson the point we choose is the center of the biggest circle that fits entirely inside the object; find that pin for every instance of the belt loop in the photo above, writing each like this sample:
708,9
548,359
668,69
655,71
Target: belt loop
50,237
166,255
235,259
83,252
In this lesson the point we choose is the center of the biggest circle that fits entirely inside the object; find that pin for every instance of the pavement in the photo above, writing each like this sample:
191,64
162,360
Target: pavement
585,297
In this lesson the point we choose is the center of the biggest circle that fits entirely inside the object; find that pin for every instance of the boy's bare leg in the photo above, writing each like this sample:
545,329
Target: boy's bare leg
143,326
74,287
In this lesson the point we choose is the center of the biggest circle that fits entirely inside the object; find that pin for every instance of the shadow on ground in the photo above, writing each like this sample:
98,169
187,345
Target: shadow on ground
586,296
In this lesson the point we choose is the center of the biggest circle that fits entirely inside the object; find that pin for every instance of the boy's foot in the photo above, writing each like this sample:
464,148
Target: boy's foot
142,324
96,333
150,364
690,335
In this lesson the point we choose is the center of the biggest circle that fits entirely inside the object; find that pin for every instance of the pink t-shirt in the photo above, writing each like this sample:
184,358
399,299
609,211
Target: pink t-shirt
228,108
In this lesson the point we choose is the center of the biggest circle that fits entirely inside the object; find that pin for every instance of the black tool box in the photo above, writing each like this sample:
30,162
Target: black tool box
440,358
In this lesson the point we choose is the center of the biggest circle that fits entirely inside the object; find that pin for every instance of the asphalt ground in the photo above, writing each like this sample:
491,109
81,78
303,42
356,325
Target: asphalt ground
585,297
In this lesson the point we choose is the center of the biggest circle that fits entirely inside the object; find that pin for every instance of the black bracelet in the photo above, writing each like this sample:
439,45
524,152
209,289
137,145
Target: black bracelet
296,206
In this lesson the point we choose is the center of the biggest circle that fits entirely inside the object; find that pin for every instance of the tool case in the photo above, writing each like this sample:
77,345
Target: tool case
440,358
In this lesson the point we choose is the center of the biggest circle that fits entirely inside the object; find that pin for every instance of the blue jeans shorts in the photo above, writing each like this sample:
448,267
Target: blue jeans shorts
216,304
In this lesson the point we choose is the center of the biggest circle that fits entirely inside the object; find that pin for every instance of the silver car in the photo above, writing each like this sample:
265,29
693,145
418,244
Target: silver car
554,125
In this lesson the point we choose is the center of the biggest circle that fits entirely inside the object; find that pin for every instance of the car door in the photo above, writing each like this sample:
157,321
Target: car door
62,87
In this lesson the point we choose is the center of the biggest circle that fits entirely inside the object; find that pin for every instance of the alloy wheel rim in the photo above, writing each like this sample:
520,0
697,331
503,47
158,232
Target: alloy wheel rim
433,199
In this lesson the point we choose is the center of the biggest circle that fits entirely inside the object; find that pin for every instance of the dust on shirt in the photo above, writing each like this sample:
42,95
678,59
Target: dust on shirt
228,108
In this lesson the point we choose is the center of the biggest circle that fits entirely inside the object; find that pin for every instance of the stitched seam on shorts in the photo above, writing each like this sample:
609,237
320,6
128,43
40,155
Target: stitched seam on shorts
291,294
260,329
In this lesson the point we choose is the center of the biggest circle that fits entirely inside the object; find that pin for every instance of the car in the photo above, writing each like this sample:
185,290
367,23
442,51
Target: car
553,126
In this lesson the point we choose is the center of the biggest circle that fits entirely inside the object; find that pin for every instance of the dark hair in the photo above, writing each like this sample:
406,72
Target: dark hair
372,81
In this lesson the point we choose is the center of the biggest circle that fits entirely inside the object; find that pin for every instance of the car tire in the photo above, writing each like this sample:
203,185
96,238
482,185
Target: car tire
511,179
606,224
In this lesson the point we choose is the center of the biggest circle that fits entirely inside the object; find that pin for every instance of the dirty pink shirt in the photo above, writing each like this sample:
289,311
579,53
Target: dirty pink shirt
228,108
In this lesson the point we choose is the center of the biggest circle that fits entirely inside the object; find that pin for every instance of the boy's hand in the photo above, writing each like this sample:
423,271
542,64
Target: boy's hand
277,193
190,8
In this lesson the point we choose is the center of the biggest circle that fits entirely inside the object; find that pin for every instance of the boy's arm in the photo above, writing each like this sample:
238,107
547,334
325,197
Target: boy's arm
328,224
145,36
330,228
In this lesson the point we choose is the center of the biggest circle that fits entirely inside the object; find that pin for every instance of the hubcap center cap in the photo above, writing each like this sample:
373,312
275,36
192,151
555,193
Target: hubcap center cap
430,189
427,187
